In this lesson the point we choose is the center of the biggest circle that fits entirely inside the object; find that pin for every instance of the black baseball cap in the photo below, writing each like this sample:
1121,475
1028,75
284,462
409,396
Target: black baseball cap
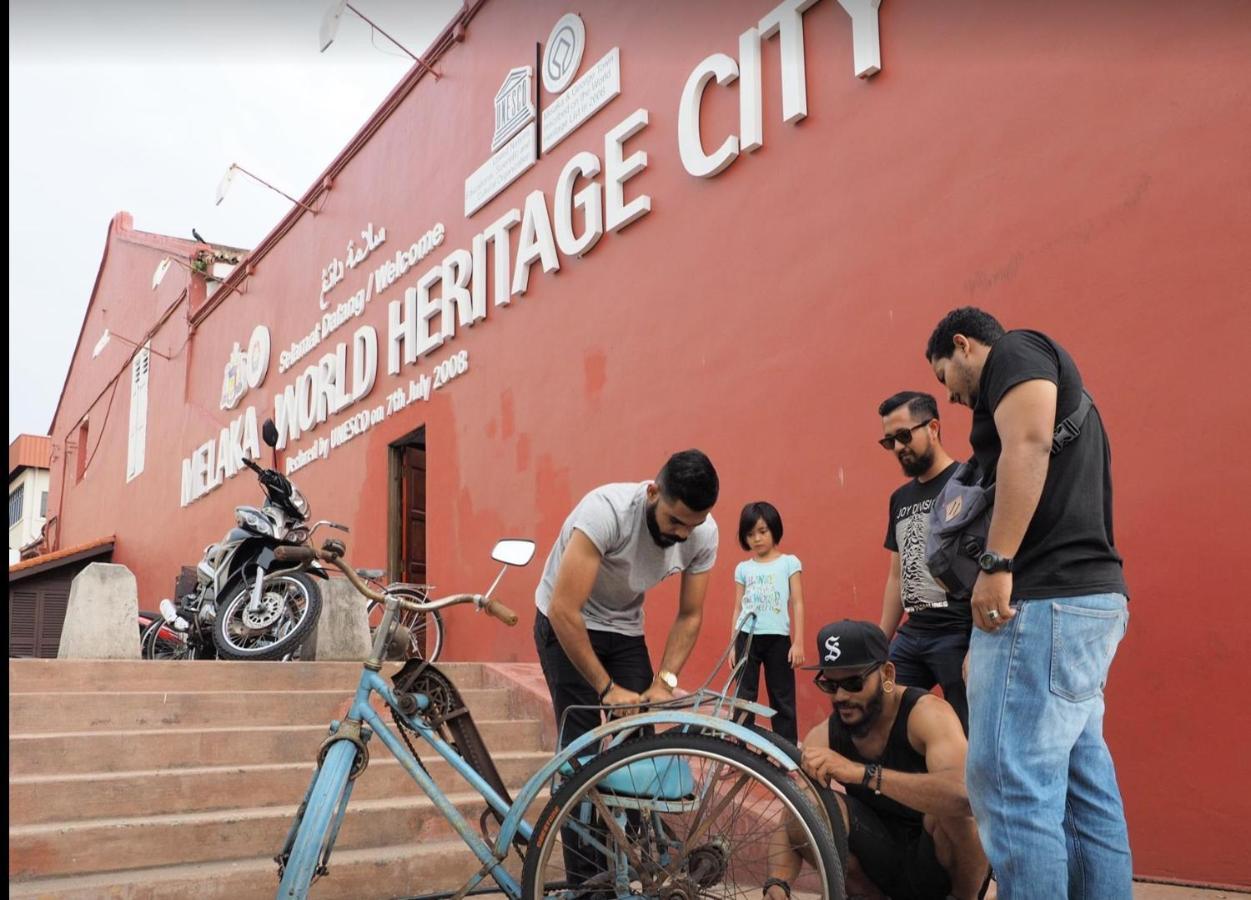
851,644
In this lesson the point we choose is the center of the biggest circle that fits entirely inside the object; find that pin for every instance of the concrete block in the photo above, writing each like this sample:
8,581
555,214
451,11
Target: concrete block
102,617
342,632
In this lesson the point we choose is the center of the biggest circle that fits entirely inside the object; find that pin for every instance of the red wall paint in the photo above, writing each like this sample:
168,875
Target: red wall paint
1076,168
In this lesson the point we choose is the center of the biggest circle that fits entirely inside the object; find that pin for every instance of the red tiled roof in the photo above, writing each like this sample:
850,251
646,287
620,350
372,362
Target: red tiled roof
31,450
77,549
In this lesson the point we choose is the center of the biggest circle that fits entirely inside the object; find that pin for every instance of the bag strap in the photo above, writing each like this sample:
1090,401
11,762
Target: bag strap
1068,430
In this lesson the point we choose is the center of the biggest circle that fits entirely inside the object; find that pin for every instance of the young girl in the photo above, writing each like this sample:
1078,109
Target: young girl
768,584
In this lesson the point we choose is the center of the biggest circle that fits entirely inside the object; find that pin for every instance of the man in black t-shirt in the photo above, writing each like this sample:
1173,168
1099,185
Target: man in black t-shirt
1050,607
929,647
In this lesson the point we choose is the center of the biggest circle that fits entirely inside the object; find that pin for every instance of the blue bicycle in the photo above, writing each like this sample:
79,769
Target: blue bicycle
679,801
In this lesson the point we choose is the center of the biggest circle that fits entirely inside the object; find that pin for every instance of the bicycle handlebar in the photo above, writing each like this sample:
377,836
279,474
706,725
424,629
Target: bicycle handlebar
307,554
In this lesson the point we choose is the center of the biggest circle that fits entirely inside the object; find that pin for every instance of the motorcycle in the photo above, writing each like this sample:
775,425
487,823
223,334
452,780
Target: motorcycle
247,604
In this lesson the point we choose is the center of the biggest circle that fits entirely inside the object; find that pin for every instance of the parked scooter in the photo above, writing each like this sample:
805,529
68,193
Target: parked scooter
247,604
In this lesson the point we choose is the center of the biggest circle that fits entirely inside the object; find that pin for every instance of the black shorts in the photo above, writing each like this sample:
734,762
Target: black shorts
896,855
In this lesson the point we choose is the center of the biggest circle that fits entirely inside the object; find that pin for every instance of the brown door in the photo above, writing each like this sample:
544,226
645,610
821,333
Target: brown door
414,547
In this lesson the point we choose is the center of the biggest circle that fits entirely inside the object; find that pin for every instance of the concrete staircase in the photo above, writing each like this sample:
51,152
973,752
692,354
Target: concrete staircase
180,779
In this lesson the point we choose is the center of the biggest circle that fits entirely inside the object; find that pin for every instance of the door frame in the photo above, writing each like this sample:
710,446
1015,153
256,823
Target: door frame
395,500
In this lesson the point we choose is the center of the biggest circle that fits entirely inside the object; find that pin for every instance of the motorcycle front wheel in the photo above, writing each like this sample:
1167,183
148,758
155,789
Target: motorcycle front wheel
289,608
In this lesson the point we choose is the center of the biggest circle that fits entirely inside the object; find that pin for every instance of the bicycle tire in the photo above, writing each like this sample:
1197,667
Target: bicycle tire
153,646
308,845
551,827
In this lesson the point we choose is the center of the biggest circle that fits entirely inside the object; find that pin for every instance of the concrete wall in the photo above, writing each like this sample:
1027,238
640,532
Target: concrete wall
1075,168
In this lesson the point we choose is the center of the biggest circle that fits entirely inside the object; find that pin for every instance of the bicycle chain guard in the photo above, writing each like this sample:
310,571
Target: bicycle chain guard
448,715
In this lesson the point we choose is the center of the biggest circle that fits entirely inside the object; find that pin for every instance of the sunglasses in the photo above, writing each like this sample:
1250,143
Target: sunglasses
903,435
852,684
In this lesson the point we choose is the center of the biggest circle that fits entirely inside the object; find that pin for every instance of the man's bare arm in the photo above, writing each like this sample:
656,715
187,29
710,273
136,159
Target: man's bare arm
579,567
892,607
1025,420
684,632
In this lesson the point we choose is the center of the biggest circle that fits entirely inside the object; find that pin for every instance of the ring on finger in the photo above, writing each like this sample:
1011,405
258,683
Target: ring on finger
993,615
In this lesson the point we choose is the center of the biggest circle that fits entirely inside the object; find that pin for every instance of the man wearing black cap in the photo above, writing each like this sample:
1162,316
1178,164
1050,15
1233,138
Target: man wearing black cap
899,752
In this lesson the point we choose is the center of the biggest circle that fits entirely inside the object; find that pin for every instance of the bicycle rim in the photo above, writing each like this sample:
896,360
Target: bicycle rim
678,817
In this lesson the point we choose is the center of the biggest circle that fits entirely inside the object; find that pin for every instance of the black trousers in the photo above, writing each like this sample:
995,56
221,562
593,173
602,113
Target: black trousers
626,660
623,656
770,651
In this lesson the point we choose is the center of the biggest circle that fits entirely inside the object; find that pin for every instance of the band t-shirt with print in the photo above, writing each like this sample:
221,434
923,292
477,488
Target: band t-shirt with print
929,607
767,592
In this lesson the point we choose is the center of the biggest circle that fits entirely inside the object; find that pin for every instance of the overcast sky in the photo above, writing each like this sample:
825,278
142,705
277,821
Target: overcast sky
141,106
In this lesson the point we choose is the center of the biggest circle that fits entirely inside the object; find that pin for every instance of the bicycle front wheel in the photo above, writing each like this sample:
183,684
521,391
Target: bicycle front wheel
680,816
311,835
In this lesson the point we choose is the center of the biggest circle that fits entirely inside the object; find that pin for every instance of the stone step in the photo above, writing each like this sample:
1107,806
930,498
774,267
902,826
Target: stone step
83,752
36,713
115,845
41,799
113,676
374,873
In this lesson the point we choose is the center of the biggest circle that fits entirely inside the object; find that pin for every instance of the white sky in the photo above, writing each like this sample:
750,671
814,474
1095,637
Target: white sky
141,106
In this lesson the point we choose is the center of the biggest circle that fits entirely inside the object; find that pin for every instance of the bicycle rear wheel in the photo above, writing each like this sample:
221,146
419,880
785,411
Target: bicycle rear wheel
679,816
311,837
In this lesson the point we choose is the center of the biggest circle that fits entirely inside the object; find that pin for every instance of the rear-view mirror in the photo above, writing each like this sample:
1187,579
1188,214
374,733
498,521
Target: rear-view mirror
513,552
269,433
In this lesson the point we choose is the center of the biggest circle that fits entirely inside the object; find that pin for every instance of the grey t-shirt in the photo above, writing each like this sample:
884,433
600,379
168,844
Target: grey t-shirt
613,517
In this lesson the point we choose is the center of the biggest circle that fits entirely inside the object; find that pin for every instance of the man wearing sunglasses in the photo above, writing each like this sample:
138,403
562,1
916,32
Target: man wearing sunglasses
899,752
930,646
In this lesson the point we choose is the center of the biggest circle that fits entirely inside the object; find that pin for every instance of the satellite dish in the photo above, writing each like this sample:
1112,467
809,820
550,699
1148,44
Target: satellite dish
224,185
330,24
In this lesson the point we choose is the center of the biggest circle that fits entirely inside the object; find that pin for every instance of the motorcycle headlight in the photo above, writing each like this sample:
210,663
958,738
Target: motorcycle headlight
296,536
247,518
299,503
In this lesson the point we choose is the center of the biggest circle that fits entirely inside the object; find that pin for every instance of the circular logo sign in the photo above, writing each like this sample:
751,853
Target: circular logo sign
258,356
564,52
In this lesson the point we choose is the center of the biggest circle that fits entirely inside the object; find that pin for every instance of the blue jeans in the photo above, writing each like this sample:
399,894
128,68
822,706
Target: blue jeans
1040,777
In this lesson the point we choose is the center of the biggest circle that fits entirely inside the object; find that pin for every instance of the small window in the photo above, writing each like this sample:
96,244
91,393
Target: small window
43,505
138,413
15,505
80,453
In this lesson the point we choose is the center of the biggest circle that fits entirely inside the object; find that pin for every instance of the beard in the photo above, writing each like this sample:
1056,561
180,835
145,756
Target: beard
870,712
914,465
653,527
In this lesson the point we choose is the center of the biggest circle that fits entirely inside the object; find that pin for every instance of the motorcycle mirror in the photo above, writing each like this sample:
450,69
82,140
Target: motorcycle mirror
269,433
513,552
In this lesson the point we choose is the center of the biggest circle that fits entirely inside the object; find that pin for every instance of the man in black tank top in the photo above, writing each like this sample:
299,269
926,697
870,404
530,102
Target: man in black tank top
899,752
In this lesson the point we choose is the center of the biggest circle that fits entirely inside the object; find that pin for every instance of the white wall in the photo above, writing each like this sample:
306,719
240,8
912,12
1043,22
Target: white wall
34,483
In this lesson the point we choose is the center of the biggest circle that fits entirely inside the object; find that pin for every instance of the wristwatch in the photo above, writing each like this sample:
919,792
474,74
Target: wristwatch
668,679
990,561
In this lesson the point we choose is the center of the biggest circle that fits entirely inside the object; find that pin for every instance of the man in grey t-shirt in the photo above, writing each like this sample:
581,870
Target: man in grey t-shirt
618,542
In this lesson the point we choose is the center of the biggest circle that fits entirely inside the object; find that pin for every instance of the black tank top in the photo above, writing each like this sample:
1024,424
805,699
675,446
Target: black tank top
898,756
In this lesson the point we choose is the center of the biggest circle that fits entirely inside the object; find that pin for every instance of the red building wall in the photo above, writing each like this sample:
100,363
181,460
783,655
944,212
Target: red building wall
1077,168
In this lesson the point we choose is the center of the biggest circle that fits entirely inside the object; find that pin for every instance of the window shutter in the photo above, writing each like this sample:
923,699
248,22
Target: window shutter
138,413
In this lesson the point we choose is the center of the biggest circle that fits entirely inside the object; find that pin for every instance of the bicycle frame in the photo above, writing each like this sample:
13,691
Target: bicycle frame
363,721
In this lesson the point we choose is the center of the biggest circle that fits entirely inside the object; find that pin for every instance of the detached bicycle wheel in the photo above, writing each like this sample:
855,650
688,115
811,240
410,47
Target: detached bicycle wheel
679,816
415,635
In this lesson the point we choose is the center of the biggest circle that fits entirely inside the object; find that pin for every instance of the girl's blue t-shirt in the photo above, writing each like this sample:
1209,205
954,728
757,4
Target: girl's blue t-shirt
767,591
